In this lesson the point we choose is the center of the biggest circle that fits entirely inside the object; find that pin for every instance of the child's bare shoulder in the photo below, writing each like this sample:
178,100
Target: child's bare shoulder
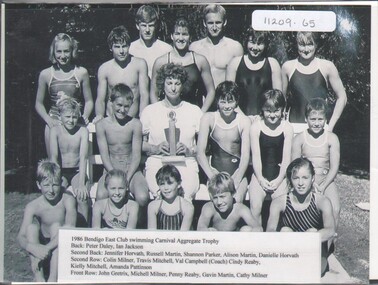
132,206
106,66
35,204
208,208
68,198
186,205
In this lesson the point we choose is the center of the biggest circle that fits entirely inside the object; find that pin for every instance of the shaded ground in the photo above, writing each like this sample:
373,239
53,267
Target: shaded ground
352,247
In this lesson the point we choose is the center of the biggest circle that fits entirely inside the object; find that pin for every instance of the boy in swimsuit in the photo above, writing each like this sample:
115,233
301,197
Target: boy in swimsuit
217,48
69,148
322,148
43,217
117,211
309,77
119,139
122,68
170,211
227,131
148,46
222,213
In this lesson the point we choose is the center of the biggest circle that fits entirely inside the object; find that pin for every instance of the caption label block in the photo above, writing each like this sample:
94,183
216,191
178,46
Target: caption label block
182,257
292,20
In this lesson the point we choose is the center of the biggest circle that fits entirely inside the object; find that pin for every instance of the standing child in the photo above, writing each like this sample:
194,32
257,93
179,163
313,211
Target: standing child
223,213
62,78
117,211
125,69
43,217
301,209
172,211
322,148
227,131
271,139
69,143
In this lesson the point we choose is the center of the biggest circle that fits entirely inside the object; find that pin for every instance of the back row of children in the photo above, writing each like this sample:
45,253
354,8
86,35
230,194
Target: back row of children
230,133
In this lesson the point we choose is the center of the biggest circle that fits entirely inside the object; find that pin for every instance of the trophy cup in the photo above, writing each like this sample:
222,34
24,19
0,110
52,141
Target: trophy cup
172,134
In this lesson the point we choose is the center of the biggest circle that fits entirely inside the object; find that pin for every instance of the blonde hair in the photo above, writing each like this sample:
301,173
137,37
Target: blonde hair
63,37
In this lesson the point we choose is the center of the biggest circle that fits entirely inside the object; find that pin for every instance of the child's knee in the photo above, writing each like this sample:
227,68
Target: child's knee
246,229
286,229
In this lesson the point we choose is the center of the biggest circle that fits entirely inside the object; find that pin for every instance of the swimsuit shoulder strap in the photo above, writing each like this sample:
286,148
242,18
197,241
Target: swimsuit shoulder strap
169,57
194,58
294,68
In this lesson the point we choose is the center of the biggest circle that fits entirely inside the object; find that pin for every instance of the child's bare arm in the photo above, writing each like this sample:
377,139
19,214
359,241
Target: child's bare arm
232,68
325,206
71,214
245,150
205,217
101,94
246,215
276,73
188,212
103,145
82,191
256,155
334,161
136,149
286,155
152,211
41,93
96,214
338,88
37,250
133,214
54,148
296,148
207,80
203,136
87,93
277,206
153,91
143,82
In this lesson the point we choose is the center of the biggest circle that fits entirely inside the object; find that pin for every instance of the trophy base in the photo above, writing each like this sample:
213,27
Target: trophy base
173,159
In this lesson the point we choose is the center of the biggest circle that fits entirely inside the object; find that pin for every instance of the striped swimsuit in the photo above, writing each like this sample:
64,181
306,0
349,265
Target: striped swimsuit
169,222
301,221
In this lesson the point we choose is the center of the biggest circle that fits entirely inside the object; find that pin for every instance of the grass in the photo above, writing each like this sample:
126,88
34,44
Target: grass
352,246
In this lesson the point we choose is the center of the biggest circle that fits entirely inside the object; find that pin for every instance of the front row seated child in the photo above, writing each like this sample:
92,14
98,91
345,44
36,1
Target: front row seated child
117,211
43,217
171,211
227,132
302,209
222,213
322,148
271,139
69,148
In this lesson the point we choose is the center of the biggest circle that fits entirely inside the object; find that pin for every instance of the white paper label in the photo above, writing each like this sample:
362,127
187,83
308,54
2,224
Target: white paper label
293,20
188,257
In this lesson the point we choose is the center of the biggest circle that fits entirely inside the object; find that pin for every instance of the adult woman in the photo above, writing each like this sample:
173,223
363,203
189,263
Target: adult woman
200,82
302,209
171,113
254,71
309,77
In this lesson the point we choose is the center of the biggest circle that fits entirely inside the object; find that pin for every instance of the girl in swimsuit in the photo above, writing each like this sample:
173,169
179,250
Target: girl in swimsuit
255,72
271,139
117,211
302,209
62,78
199,89
309,77
227,132
322,148
171,211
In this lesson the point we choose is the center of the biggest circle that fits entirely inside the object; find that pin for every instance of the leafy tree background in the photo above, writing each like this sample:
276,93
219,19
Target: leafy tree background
31,28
